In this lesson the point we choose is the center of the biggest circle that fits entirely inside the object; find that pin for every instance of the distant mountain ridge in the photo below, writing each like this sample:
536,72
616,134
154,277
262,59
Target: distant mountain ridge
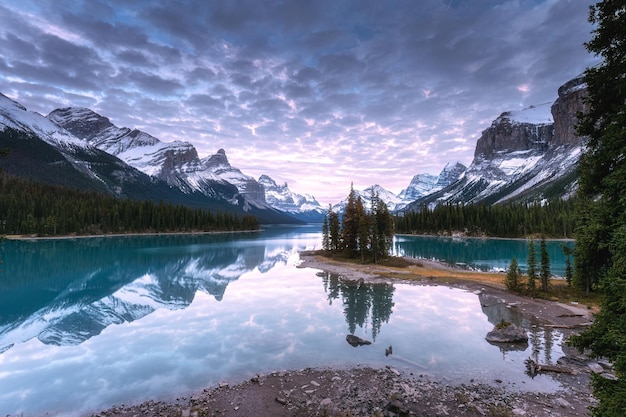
43,150
525,155
302,207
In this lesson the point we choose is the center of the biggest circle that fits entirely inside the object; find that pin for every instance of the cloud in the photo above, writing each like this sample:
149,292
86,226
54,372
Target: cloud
360,83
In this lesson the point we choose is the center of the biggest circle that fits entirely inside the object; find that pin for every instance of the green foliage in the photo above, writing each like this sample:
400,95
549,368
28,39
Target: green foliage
513,276
32,208
554,219
600,253
325,234
367,235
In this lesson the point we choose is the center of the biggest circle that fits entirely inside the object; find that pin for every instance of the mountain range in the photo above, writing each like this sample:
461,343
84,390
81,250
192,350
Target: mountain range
524,155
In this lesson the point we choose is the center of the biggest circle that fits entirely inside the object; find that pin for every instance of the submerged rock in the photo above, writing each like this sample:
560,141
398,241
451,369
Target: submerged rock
507,333
356,340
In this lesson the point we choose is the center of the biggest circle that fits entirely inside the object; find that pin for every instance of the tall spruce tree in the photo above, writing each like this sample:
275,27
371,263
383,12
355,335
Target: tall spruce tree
600,251
326,231
350,224
334,230
513,274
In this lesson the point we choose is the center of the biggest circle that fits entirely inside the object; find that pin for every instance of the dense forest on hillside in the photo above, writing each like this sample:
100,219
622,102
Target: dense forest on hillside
553,219
32,208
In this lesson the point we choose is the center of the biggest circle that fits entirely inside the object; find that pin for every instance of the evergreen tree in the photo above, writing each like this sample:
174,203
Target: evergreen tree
325,231
513,275
569,272
383,235
363,229
334,230
350,225
532,267
600,250
545,265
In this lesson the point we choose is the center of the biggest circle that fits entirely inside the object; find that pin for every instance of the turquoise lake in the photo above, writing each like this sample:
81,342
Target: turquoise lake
89,323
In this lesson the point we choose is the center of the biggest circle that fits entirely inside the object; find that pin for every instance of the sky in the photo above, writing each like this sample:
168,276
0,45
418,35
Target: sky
320,94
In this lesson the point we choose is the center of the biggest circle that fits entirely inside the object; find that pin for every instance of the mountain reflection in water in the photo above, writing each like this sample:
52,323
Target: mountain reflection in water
89,323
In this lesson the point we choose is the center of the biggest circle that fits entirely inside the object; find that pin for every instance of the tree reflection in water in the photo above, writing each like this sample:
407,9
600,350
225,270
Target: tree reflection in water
360,301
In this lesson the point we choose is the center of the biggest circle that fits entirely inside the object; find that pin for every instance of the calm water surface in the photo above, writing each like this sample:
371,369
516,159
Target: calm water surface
90,323
480,254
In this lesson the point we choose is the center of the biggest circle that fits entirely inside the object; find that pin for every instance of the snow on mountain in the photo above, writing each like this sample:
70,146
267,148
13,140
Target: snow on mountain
390,199
536,115
420,185
219,166
526,154
176,162
450,174
14,115
73,316
424,184
282,198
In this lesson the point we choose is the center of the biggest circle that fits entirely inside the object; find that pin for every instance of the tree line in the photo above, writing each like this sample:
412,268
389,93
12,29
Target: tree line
32,208
600,252
367,234
554,218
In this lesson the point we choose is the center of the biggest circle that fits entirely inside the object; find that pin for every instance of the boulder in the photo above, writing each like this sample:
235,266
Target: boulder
507,333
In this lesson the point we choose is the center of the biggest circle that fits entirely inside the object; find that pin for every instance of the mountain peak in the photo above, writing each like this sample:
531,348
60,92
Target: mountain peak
82,122
218,160
8,102
303,207
540,114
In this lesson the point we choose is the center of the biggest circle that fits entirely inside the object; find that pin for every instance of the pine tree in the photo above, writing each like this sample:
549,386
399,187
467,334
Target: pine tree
334,231
513,274
600,251
532,267
363,229
350,225
383,235
545,265
325,231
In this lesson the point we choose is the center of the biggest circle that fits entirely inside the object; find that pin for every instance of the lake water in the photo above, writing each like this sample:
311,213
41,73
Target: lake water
480,254
94,322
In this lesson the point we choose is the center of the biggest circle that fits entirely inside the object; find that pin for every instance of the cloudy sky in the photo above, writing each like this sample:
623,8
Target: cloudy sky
316,93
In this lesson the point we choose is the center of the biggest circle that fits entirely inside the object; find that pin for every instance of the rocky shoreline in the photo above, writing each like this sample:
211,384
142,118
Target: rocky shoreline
364,391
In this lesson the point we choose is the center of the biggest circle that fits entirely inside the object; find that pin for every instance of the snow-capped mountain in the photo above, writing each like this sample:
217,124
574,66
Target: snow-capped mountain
303,207
176,163
390,199
424,184
524,155
41,150
44,150
421,186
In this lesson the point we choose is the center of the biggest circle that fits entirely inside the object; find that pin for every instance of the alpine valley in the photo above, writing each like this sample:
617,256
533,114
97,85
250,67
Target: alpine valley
525,155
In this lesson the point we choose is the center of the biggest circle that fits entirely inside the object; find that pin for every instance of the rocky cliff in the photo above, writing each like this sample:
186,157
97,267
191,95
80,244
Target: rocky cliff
570,102
524,130
524,155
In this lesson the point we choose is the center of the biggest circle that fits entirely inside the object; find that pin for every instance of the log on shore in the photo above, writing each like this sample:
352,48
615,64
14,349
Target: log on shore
533,368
